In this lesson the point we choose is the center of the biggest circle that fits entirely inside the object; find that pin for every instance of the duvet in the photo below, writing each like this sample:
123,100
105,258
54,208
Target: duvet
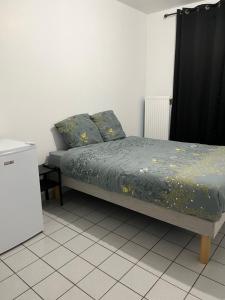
188,178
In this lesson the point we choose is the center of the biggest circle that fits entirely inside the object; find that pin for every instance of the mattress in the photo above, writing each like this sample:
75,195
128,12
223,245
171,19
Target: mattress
54,158
188,178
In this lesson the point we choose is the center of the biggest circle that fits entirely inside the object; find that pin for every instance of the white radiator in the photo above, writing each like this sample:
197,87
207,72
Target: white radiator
157,117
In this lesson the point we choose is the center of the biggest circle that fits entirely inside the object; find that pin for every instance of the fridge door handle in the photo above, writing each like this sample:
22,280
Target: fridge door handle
9,162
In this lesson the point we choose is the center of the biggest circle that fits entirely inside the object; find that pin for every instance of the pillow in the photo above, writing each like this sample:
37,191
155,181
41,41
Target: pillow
79,131
108,125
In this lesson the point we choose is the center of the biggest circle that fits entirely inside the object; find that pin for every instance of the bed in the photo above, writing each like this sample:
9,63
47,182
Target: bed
179,183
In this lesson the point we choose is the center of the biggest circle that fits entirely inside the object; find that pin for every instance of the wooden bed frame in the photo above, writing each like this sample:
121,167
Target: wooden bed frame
206,229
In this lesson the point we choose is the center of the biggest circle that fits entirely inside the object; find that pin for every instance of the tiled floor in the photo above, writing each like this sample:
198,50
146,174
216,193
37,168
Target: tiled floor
91,249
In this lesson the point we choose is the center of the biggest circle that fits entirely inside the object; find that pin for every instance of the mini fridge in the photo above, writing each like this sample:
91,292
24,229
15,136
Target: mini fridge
20,199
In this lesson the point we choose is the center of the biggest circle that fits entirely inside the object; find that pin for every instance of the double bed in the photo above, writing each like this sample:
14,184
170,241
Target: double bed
179,183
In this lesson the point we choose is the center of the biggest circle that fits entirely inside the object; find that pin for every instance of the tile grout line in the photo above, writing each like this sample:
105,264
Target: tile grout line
105,259
97,242
108,258
113,252
16,273
160,277
56,270
135,264
125,221
29,287
201,273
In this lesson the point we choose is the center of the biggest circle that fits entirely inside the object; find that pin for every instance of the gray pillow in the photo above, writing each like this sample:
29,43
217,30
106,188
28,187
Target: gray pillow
108,125
79,131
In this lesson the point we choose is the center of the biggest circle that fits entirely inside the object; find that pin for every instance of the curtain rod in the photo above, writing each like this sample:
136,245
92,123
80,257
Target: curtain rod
187,10
168,15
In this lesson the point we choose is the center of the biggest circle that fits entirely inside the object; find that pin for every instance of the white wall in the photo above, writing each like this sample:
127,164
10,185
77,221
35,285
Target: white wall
64,57
161,37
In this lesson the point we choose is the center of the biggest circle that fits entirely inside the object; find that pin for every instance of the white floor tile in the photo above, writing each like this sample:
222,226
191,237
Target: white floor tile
145,239
127,231
79,244
180,276
34,239
219,255
113,241
190,260
139,280
59,257
67,218
4,271
191,297
121,292
54,211
178,236
20,260
207,289
12,287
63,235
35,272
52,287
12,252
110,223
167,249
96,284
154,263
52,226
96,216
222,230
121,214
83,211
95,233
76,270
80,225
164,290
223,242
194,246
215,271
140,221
75,294
71,206
158,228
96,254
116,266
44,246
132,252
218,238
46,219
29,295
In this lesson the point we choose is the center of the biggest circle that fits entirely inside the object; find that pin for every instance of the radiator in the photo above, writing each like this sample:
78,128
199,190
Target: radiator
157,117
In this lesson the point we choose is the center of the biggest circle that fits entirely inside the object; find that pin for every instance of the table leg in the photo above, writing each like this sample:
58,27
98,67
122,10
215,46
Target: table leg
56,193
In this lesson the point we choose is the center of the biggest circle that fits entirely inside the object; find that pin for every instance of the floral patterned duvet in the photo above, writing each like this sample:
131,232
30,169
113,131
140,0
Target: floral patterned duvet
188,178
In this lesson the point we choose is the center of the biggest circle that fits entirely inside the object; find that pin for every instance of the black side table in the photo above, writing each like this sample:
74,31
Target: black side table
46,183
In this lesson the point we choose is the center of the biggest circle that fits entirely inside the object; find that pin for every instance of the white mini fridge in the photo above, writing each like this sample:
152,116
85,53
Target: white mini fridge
20,199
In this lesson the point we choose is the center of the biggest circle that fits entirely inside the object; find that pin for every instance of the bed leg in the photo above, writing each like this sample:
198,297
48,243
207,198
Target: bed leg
205,248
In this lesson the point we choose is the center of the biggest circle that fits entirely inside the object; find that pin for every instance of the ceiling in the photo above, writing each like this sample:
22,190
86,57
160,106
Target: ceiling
149,6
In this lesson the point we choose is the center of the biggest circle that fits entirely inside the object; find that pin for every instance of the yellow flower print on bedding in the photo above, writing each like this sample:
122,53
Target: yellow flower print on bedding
68,127
127,189
180,150
184,187
84,137
110,131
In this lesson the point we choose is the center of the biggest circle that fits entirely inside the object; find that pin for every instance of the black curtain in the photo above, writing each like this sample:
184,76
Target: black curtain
198,111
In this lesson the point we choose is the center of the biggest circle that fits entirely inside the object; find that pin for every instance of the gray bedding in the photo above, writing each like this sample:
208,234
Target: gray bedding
54,158
188,178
